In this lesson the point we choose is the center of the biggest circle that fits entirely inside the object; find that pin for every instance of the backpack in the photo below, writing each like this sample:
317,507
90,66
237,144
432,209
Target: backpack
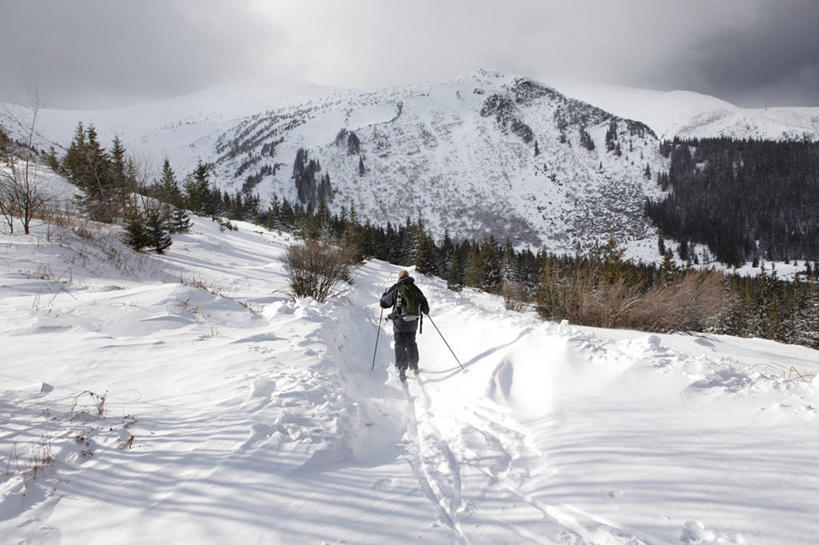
406,306
406,302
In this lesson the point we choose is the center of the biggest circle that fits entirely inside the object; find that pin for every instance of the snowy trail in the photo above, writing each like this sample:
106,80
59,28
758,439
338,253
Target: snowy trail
234,415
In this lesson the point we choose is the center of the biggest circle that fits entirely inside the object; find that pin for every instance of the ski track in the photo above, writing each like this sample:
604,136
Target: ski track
445,488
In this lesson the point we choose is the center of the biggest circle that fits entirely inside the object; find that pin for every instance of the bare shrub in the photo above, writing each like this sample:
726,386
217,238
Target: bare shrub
692,304
514,295
314,268
610,305
97,399
21,192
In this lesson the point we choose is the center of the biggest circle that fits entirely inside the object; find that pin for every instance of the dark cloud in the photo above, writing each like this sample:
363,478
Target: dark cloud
754,52
772,61
84,52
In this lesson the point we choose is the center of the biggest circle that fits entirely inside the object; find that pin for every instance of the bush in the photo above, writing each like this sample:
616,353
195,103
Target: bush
314,268
695,302
514,295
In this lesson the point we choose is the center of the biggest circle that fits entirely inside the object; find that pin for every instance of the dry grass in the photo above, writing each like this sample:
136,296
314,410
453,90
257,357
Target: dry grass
42,457
694,303
198,284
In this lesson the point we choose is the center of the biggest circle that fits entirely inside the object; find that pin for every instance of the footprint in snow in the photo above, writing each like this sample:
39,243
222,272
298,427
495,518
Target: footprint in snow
383,484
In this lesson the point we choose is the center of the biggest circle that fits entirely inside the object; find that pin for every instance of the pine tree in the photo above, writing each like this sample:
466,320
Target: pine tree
104,198
353,144
509,266
118,163
586,139
197,188
136,233
180,221
425,254
611,135
73,164
157,228
475,269
455,278
168,190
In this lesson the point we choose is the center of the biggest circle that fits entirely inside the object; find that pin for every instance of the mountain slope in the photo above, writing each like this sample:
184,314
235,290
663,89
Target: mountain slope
486,153
687,114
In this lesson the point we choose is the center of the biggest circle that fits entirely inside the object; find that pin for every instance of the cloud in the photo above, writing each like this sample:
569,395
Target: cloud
84,52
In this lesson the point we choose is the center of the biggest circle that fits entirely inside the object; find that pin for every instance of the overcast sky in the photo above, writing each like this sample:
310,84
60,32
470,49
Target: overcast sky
100,53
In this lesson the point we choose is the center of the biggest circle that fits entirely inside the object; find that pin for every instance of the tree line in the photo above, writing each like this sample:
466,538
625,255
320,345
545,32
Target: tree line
599,288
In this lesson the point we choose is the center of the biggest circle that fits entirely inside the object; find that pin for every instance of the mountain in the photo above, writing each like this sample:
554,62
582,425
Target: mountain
687,114
485,153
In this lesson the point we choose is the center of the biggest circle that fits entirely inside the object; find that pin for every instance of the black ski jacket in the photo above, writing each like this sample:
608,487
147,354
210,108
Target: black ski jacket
388,300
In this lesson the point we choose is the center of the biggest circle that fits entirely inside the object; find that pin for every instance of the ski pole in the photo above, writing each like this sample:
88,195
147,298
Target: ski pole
446,343
376,338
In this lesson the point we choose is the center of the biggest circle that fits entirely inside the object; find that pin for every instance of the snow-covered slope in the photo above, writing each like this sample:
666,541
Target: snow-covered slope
232,414
693,115
485,153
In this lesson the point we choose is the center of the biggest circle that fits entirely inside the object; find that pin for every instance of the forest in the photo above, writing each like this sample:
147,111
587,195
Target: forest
747,200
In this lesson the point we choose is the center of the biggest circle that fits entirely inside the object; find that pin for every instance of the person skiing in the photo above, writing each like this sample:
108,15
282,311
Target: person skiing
408,304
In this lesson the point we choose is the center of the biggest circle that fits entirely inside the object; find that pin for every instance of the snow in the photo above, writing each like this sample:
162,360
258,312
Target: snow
235,414
689,114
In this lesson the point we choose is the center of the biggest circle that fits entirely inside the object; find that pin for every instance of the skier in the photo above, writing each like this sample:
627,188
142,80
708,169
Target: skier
408,303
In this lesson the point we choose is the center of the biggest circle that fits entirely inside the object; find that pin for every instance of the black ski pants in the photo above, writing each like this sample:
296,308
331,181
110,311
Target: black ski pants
406,351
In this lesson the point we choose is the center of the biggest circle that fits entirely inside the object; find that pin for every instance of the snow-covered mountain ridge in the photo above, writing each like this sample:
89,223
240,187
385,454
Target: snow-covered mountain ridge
485,153
688,114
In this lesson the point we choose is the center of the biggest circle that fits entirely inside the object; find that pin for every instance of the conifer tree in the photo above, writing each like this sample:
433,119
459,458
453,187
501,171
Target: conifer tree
168,189
475,269
586,139
74,163
455,277
157,228
180,221
425,254
611,136
197,188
